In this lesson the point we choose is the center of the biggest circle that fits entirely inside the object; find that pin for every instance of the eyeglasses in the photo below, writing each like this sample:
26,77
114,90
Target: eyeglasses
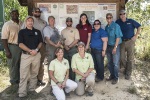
108,17
123,14
96,23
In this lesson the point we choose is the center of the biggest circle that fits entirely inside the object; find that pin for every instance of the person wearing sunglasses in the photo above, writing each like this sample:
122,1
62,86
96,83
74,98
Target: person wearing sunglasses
129,37
113,47
98,46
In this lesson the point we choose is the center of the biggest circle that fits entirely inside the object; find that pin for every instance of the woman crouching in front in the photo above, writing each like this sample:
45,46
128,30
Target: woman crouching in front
59,72
83,66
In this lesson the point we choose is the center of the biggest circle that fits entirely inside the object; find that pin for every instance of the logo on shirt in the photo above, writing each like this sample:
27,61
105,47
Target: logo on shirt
85,28
128,23
36,33
71,31
65,63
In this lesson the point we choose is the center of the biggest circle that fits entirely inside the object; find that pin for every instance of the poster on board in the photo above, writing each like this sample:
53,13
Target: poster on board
63,10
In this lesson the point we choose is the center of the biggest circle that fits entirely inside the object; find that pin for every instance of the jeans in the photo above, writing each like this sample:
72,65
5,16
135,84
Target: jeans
113,61
98,63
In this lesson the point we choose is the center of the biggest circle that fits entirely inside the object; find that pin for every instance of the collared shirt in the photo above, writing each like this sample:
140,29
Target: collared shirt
38,24
96,41
114,32
51,33
70,34
128,27
82,64
10,31
83,32
59,69
30,38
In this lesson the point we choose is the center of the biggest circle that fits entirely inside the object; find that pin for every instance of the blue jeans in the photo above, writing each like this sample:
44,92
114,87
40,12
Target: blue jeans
98,63
113,61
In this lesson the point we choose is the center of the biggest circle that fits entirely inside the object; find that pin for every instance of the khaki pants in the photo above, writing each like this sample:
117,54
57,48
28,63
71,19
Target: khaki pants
59,93
127,56
87,85
14,63
41,69
29,66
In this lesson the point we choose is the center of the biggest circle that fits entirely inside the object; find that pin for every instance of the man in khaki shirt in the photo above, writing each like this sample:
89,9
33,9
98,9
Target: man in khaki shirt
71,36
10,41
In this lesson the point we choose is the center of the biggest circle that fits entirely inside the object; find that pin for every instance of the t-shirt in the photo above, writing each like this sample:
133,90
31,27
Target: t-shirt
84,32
70,34
30,38
59,69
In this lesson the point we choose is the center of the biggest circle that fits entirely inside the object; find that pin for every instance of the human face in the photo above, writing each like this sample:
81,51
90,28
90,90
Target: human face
109,19
60,54
14,15
81,49
37,13
123,16
69,23
29,22
51,22
96,25
83,19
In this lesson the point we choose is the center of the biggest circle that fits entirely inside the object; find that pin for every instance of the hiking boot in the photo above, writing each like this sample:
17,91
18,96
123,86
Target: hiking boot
98,80
114,81
40,83
127,77
89,94
109,78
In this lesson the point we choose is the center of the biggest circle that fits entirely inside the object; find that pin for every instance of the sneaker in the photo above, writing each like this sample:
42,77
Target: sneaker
89,94
109,78
114,81
40,83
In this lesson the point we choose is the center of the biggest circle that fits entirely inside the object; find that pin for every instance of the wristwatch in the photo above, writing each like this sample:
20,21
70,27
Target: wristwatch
37,49
116,47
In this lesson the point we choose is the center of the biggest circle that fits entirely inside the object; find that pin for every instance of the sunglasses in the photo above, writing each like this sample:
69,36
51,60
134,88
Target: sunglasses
108,17
122,14
37,12
96,23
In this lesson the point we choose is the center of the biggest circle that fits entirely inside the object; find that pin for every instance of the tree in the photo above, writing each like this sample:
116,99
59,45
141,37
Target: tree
9,4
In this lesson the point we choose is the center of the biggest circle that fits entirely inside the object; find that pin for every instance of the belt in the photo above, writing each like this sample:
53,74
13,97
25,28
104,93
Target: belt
24,52
13,44
126,39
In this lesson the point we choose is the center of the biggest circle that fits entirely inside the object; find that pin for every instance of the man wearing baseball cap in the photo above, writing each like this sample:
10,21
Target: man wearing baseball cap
71,36
9,39
129,37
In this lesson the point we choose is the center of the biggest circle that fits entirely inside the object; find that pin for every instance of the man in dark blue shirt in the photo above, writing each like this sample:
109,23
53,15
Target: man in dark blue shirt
128,27
30,41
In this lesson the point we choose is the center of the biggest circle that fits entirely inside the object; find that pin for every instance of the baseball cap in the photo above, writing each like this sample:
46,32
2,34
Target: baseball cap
81,43
69,19
122,11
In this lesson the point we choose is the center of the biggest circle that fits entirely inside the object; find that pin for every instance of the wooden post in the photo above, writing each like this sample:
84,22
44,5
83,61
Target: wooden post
30,7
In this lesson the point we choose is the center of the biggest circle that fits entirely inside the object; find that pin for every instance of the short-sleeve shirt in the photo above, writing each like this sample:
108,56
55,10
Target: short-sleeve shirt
30,38
38,24
10,31
82,64
128,27
96,39
114,32
52,34
70,34
84,32
59,69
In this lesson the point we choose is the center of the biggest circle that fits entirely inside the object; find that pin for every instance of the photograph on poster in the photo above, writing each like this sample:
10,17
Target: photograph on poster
45,7
91,16
72,9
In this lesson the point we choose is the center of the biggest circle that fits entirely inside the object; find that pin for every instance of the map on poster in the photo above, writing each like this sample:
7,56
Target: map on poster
63,10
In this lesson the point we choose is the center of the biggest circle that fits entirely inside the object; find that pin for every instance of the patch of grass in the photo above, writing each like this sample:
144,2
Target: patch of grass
132,90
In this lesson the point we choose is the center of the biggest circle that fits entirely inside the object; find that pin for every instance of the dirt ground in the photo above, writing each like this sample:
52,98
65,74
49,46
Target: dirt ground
138,88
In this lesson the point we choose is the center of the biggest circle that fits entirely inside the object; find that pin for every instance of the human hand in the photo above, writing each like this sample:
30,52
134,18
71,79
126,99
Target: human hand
33,52
114,51
8,54
59,85
134,38
103,53
63,84
66,47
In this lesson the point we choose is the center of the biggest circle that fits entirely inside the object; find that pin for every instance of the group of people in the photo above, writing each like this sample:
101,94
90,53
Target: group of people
75,57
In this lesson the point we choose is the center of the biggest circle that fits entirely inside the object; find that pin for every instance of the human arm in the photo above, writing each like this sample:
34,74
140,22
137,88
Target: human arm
66,77
52,43
88,42
5,44
105,40
136,34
